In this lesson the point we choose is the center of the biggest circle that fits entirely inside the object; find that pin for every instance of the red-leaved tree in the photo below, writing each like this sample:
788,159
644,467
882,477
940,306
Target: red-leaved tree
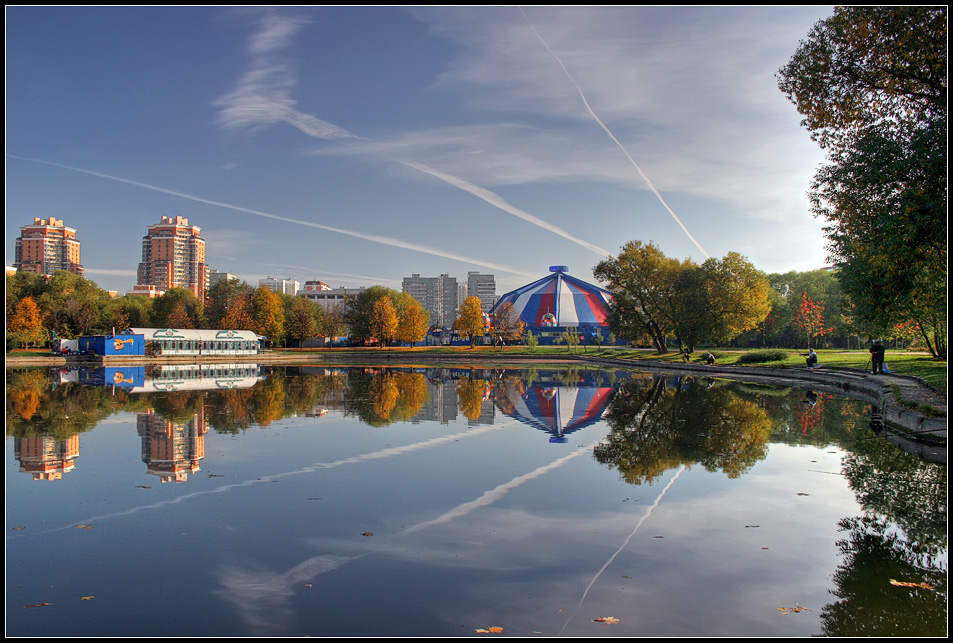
809,319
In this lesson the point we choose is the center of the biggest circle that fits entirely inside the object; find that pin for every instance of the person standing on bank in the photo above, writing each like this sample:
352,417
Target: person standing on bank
877,351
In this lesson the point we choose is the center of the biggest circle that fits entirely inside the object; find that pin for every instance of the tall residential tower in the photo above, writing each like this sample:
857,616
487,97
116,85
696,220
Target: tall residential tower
47,246
173,256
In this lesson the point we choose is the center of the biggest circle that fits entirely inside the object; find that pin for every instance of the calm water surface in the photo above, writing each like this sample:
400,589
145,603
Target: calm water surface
241,500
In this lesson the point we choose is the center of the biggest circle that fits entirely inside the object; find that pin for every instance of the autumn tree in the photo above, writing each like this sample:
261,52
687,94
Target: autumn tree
413,320
239,315
268,314
221,297
870,82
809,319
25,325
384,320
507,323
642,282
330,323
470,319
359,309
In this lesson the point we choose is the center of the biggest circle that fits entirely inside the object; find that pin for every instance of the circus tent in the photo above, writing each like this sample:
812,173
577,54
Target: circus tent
558,300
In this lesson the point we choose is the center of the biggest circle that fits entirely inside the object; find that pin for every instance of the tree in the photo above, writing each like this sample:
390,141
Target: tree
268,314
642,282
239,314
507,323
413,320
358,311
178,308
25,324
330,323
871,84
220,299
470,319
300,319
384,320
809,318
719,300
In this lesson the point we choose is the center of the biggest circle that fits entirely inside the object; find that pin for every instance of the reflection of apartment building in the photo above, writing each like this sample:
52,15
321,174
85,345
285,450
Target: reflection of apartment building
438,295
171,450
484,287
46,457
47,246
282,286
173,256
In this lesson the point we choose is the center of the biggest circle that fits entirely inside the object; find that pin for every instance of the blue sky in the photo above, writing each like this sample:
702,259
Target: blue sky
358,145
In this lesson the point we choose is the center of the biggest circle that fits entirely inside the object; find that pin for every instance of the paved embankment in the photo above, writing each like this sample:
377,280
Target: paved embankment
878,390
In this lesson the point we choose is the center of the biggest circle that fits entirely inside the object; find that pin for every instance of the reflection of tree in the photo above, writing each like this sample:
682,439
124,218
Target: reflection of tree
658,424
901,536
382,397
868,604
470,396
38,405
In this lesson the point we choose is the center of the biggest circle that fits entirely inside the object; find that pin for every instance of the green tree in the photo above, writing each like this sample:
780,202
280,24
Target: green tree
300,319
642,282
268,314
330,323
871,84
178,308
359,310
220,299
71,306
384,320
470,319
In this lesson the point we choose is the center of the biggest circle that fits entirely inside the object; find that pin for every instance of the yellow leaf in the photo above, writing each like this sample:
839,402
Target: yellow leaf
605,619
87,598
368,533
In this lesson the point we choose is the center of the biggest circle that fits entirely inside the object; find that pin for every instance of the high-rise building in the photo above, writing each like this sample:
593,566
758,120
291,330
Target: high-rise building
47,246
483,287
173,256
437,294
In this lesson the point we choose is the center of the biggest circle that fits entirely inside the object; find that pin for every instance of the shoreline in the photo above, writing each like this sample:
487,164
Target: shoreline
874,389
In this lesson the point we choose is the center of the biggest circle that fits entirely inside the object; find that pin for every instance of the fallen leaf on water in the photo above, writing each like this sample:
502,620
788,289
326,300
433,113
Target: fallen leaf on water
792,610
496,629
83,526
38,605
904,584
142,486
87,598
751,526
16,528
658,536
605,619
368,533
803,494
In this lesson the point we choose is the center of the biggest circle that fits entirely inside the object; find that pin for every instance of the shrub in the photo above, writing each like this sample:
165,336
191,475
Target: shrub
761,356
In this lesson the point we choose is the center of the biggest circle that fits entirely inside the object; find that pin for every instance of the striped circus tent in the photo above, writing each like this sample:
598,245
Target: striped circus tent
559,300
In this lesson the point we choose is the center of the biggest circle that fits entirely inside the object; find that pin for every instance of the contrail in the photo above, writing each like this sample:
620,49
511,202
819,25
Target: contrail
619,550
614,139
262,98
387,241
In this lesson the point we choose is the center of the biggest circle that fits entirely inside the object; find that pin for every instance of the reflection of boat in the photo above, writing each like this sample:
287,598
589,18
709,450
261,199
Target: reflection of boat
557,409
174,377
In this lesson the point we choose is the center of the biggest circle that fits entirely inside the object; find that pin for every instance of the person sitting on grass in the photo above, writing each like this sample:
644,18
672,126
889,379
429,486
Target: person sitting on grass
710,359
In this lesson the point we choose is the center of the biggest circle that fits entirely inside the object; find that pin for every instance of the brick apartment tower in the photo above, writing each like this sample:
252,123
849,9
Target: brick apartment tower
47,246
173,256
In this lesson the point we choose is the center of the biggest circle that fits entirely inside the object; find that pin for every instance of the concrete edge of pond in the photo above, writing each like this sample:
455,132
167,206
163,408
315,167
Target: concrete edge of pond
874,389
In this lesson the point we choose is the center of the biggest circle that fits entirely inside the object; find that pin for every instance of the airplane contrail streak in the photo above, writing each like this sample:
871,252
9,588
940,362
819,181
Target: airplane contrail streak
387,241
614,139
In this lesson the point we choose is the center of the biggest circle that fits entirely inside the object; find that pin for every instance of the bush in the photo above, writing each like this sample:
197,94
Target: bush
761,356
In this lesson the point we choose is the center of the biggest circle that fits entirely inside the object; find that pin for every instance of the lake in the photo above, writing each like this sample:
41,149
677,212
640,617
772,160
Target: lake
238,500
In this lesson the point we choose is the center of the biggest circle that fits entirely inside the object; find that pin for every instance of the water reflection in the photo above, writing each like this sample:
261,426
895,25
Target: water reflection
638,429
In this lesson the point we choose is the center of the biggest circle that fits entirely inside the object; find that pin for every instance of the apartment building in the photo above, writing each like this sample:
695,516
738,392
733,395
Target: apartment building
47,246
173,256
439,295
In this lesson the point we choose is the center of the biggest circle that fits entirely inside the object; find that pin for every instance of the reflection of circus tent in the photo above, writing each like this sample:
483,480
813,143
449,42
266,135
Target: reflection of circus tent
558,410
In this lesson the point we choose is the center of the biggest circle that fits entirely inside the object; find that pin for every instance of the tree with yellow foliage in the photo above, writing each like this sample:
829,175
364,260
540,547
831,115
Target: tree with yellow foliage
470,319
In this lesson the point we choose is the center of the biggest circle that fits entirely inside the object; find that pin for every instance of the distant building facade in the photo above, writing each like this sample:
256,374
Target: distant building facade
173,256
214,276
282,286
483,287
439,295
47,246
329,299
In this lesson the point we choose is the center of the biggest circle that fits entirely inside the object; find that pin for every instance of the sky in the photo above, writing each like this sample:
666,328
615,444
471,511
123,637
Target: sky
360,145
